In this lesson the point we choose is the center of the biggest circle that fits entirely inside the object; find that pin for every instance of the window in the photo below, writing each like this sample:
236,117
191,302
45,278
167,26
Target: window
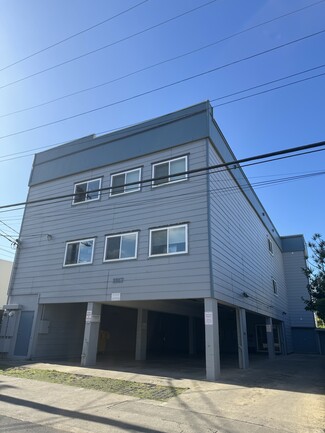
169,240
86,191
164,172
120,181
79,252
121,247
270,244
275,287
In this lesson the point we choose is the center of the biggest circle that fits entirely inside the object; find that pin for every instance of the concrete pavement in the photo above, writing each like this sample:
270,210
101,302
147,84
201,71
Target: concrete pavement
284,395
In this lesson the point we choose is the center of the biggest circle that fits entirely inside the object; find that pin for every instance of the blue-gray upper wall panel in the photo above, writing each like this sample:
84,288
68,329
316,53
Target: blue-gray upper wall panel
91,152
293,243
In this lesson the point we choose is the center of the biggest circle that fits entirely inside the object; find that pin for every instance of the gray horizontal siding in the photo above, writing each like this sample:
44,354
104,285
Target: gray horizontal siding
297,288
241,261
40,267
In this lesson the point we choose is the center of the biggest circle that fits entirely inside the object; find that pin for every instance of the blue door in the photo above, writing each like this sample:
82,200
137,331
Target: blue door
24,333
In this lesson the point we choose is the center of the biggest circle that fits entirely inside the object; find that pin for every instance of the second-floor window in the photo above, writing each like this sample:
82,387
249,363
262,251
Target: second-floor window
270,245
275,286
166,172
121,247
86,191
125,182
168,240
79,252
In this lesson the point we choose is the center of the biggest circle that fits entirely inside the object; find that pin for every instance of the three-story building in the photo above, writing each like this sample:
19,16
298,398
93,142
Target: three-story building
131,245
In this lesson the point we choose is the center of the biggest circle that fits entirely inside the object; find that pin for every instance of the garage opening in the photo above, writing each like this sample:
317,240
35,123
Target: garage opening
117,332
173,335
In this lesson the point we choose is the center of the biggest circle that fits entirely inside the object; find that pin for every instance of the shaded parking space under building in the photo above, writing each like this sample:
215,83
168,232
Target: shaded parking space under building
168,336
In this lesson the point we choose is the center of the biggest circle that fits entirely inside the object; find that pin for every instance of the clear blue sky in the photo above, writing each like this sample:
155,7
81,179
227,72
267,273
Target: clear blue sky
283,118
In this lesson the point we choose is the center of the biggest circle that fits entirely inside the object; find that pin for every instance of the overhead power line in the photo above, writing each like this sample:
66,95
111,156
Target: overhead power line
7,253
8,226
165,86
264,91
233,164
272,82
178,197
73,36
30,152
8,237
108,45
27,153
171,59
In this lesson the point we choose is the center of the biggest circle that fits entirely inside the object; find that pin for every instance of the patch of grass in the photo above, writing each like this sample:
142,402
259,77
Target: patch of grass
117,386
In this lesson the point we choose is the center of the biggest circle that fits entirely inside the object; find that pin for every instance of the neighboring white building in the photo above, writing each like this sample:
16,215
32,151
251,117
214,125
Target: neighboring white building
137,250
5,272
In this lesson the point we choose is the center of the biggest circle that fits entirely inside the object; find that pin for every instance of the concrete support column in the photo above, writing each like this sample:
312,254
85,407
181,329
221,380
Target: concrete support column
212,348
191,342
269,337
283,339
90,343
141,337
242,338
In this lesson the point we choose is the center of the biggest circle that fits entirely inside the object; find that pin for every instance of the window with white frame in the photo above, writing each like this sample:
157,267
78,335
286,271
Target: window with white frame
79,252
168,240
121,247
275,286
125,182
166,172
270,245
86,191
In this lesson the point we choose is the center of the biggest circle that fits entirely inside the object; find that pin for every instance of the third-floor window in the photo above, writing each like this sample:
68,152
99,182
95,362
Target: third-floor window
125,182
86,191
166,171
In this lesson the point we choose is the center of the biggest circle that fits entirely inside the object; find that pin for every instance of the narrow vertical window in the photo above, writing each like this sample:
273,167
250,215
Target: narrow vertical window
275,287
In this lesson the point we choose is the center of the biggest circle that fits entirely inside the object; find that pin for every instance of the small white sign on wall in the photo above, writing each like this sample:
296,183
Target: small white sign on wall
116,297
268,328
208,318
92,318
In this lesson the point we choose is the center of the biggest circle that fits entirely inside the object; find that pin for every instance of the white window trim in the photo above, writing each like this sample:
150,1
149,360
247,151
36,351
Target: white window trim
173,179
78,242
275,286
139,169
167,228
270,246
87,200
124,258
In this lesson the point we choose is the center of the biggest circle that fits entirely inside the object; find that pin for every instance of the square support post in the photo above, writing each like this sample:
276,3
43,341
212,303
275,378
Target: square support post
141,336
283,339
90,343
212,348
243,357
270,337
